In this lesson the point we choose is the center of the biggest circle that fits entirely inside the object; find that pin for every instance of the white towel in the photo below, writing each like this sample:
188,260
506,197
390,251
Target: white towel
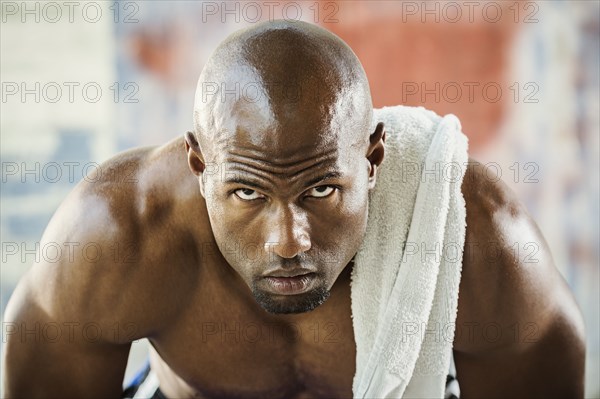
406,275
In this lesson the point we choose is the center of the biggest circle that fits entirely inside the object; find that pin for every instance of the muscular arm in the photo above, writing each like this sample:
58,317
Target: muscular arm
68,329
519,331
51,353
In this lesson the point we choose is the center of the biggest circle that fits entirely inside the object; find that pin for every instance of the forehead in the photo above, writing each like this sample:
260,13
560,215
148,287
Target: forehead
287,142
257,154
290,132
289,153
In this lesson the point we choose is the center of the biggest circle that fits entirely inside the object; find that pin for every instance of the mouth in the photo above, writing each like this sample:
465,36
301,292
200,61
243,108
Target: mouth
289,273
290,283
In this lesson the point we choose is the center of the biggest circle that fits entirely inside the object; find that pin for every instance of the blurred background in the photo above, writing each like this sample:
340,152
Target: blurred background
84,80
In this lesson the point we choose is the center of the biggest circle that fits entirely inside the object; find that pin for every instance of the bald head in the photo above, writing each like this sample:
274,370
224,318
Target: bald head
275,76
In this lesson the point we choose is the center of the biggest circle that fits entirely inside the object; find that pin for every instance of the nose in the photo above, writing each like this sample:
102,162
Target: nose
288,232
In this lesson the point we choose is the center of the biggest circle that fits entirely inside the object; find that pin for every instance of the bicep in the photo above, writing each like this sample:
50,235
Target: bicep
53,353
519,330
549,366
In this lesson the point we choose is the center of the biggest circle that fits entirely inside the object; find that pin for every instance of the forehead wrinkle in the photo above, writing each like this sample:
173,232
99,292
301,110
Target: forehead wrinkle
287,183
269,171
268,163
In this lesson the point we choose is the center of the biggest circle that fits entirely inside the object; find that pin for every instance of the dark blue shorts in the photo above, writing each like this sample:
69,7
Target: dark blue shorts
143,385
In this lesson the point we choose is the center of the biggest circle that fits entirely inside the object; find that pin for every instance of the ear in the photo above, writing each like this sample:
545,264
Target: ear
194,157
376,152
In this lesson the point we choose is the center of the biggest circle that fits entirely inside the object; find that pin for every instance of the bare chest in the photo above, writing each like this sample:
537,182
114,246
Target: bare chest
228,350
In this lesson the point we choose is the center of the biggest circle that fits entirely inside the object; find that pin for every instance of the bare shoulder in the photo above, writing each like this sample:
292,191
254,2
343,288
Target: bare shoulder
512,299
100,258
113,266
508,274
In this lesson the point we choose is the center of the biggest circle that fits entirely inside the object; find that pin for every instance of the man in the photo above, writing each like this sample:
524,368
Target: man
226,273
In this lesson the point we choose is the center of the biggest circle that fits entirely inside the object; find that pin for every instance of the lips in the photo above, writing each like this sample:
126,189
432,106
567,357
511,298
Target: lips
293,284
289,274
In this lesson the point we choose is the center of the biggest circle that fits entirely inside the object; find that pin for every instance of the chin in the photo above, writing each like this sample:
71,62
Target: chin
293,304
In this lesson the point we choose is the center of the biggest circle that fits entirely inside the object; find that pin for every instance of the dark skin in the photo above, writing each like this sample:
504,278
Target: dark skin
170,271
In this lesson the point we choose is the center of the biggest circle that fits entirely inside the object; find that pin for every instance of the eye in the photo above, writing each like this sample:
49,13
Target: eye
321,191
247,194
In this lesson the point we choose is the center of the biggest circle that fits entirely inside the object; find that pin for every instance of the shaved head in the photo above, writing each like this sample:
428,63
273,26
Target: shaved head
279,73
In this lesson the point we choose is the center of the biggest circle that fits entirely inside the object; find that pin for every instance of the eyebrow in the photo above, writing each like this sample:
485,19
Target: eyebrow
250,183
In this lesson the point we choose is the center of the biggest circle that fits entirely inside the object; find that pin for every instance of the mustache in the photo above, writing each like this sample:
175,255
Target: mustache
291,263
299,261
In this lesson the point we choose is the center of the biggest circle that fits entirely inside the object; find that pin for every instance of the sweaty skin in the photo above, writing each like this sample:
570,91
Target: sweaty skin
181,255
